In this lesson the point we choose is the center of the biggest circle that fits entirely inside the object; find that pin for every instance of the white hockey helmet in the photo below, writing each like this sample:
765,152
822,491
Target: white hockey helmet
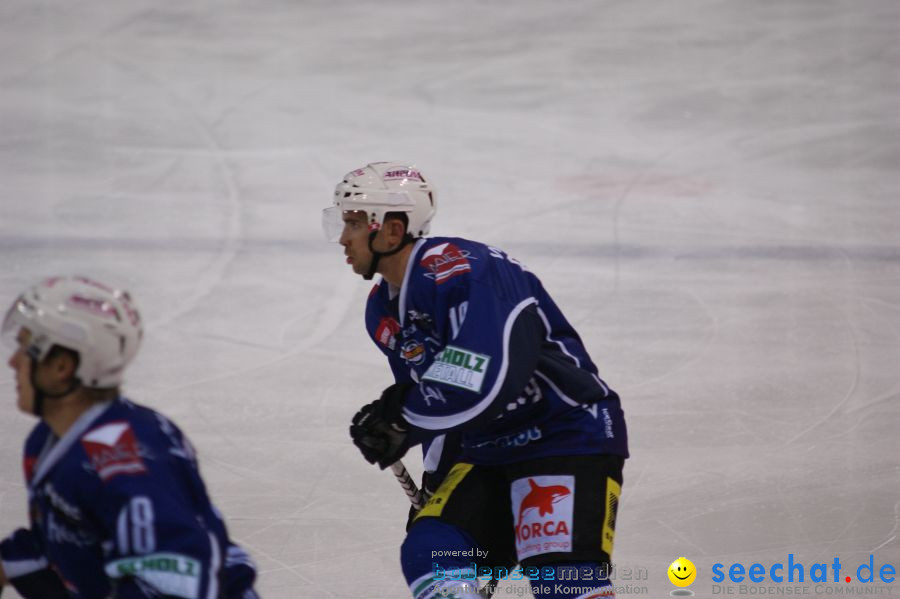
379,188
99,322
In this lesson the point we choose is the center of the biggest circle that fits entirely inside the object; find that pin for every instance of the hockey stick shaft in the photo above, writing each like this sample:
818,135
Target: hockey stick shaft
409,486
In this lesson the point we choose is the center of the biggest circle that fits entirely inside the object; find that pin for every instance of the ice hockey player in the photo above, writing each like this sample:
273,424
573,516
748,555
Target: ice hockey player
118,508
479,351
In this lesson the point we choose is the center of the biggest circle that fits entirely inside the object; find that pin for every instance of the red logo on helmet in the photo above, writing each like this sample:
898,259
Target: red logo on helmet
95,306
403,173
94,284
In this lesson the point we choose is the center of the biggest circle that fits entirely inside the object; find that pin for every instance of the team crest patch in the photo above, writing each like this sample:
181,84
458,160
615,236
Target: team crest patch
459,367
445,261
542,507
113,450
386,333
413,351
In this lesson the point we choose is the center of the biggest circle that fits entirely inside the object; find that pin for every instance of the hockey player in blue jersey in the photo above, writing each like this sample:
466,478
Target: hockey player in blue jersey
118,508
525,439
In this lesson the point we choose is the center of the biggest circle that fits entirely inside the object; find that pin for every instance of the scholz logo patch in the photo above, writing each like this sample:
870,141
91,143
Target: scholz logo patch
459,367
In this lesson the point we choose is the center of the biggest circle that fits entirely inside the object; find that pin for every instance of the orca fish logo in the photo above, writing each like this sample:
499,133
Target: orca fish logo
542,498
543,507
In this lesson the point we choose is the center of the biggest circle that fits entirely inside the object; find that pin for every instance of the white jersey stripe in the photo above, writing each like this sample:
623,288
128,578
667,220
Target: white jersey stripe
557,342
433,456
405,286
215,563
23,567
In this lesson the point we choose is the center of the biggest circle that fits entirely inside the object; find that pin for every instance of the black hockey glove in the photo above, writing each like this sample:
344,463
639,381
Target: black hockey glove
379,429
34,578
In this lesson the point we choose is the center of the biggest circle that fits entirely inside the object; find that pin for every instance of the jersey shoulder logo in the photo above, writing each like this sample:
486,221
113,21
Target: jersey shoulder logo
113,450
445,261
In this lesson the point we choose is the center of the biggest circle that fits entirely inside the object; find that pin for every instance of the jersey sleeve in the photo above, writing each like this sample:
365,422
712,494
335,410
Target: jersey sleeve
26,568
490,335
22,553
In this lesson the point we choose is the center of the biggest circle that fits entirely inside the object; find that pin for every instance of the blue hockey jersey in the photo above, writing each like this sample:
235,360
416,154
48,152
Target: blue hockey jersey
492,359
118,509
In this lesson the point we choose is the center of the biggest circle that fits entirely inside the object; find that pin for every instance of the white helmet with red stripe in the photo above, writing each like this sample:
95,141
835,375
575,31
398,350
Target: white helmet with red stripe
99,322
379,188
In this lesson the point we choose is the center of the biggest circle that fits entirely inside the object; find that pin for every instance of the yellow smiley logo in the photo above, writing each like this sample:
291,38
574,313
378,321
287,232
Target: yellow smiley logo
682,572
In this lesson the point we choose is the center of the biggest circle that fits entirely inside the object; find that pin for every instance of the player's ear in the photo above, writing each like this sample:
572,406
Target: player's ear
395,229
62,363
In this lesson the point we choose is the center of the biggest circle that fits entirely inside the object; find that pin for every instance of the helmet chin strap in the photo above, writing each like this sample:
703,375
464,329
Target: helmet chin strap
376,256
40,395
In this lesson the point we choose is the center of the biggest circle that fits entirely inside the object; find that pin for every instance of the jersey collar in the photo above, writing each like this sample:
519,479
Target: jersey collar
53,452
404,289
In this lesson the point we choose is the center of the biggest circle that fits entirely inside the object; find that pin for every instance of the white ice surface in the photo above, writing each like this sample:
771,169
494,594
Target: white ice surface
709,188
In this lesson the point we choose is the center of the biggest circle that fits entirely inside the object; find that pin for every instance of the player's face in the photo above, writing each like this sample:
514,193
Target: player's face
355,239
20,362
